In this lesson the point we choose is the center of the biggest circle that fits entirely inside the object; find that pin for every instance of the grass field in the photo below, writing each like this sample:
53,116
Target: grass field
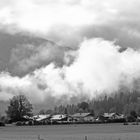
72,132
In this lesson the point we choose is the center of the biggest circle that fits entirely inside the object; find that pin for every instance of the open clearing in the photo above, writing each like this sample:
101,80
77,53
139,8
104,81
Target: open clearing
71,132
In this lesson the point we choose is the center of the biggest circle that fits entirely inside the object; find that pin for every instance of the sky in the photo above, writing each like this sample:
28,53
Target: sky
58,50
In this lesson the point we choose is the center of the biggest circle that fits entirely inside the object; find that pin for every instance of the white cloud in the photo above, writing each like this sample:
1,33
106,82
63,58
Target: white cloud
63,19
98,68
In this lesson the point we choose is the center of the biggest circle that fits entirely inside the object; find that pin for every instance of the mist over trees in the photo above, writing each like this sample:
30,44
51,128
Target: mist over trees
120,102
127,103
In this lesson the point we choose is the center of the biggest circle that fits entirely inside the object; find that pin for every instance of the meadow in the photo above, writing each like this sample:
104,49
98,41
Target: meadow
71,132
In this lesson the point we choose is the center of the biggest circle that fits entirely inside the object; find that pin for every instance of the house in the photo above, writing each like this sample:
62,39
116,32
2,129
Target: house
83,117
59,118
27,118
42,119
111,117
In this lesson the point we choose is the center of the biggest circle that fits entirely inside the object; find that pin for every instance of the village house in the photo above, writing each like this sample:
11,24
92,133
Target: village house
41,119
83,117
59,118
111,117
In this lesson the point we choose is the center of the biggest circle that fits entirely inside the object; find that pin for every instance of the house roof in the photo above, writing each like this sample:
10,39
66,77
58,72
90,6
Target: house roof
41,117
81,114
27,117
113,114
109,114
58,117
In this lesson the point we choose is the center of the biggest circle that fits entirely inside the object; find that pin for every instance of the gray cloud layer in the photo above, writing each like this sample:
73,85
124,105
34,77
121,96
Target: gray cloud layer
86,68
99,68
68,22
28,57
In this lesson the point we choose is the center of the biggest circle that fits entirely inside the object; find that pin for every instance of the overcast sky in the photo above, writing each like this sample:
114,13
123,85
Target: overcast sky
68,21
57,48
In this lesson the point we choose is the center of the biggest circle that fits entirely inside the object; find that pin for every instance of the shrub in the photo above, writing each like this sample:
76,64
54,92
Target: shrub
19,123
2,124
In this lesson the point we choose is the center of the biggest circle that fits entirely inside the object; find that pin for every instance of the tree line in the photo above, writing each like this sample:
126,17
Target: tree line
127,103
120,102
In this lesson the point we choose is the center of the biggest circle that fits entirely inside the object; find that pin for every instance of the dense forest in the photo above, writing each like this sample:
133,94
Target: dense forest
127,103
121,102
